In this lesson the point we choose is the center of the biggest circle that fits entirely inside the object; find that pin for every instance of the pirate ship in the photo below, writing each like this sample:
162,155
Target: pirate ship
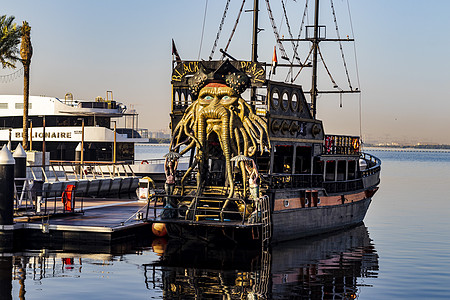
261,168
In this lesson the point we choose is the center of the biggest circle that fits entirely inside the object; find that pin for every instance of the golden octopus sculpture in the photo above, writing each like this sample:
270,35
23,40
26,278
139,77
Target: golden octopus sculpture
220,109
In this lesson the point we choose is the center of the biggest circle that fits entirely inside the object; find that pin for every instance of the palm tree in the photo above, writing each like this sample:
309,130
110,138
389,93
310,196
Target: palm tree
9,41
26,51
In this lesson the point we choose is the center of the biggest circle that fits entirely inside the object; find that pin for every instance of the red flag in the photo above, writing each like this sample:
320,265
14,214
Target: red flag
175,52
274,60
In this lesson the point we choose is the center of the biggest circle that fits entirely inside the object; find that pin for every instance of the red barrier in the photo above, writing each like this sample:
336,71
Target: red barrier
68,196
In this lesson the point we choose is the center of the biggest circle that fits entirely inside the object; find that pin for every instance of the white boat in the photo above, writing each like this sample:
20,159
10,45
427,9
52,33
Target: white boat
67,122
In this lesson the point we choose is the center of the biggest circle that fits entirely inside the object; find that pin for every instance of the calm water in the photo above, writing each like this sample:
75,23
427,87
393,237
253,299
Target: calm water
401,252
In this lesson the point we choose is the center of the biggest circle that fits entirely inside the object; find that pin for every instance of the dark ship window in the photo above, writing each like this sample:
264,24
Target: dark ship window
294,102
351,169
285,101
318,166
329,172
341,168
183,100
303,160
282,159
275,99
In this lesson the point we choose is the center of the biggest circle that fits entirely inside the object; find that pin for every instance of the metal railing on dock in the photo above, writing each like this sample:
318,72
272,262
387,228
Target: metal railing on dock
31,200
42,191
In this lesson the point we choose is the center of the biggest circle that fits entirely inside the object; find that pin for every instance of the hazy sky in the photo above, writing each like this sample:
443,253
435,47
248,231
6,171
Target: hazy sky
89,47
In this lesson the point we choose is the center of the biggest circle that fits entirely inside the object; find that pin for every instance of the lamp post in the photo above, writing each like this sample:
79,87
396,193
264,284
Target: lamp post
31,134
43,142
115,142
114,148
82,140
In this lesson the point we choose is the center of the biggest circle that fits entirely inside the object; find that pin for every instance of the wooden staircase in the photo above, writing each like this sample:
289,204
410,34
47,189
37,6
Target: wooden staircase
213,205
208,209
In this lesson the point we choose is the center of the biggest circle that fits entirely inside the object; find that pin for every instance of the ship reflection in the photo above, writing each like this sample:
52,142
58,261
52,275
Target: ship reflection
325,267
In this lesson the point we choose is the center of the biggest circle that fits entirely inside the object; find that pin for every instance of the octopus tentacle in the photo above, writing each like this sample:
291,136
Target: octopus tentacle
251,138
231,130
244,136
258,132
238,140
251,128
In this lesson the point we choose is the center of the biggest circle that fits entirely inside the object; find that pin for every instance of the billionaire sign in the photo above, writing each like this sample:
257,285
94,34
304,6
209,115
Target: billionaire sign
48,135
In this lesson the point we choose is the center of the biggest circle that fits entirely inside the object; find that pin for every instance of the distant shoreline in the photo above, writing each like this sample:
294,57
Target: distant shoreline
158,141
422,146
418,146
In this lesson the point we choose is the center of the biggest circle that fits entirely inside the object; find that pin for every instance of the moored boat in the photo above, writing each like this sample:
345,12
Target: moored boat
261,168
68,122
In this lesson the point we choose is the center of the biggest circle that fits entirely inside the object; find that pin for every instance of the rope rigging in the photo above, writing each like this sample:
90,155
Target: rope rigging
297,43
203,29
234,28
357,71
304,64
340,46
328,71
275,31
287,22
220,29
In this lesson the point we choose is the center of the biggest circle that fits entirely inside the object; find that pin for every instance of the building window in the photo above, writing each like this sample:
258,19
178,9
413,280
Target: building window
20,105
3,105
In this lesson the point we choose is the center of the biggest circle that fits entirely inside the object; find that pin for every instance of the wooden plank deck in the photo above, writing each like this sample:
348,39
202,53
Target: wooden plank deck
101,213
104,224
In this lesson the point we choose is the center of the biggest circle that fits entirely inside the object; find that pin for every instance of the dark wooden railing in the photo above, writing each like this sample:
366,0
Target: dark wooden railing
279,181
371,175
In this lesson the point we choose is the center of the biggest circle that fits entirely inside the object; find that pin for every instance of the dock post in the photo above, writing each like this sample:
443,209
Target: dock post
20,167
6,198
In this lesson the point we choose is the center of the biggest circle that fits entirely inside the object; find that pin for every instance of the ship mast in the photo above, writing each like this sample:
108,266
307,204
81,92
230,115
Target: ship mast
315,45
254,47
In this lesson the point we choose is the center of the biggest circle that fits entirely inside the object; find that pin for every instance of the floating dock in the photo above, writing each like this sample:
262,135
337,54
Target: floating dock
102,223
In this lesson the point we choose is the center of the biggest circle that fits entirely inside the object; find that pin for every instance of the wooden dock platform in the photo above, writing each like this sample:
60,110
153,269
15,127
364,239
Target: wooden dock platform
103,223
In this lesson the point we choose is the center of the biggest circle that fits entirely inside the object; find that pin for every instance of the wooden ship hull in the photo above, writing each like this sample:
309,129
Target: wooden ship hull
298,223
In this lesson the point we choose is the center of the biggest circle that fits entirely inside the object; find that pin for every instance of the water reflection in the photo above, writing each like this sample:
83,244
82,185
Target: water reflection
326,267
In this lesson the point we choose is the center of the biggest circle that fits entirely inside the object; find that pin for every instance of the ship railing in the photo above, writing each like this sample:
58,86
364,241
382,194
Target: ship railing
90,169
153,161
371,175
190,209
279,181
341,145
343,186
